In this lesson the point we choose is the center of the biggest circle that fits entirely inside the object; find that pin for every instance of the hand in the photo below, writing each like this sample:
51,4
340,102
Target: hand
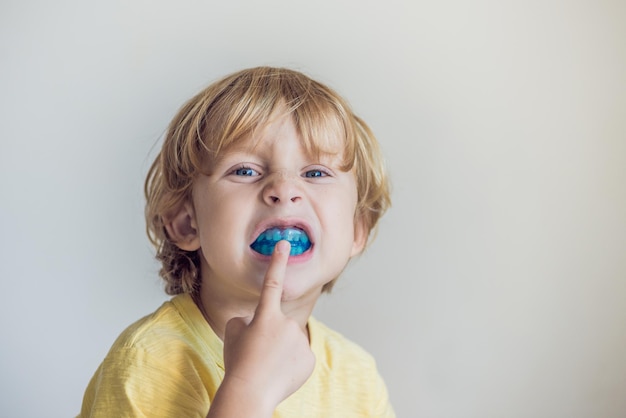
268,357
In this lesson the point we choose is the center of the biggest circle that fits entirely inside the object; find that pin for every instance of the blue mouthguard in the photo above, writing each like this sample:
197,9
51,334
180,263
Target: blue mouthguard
266,242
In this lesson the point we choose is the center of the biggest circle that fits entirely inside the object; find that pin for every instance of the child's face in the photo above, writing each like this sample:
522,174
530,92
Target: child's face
275,186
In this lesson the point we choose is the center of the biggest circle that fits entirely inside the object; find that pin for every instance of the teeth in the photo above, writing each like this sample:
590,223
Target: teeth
266,241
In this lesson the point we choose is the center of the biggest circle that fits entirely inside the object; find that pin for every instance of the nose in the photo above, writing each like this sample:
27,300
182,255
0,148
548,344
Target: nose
281,188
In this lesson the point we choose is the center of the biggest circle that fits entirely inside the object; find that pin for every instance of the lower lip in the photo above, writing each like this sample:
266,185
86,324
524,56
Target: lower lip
293,259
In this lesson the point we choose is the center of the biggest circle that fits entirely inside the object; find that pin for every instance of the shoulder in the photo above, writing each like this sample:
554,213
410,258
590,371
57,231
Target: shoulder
162,362
331,347
347,374
136,334
338,358
177,323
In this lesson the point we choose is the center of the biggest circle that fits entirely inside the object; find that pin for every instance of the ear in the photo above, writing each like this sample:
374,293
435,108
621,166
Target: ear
361,233
182,228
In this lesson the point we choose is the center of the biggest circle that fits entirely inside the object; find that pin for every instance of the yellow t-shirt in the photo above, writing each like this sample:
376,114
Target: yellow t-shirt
170,364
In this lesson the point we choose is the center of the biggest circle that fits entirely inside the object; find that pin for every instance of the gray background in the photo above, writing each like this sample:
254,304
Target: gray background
497,284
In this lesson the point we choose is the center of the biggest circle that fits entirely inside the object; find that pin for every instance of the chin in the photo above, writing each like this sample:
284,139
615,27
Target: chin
293,292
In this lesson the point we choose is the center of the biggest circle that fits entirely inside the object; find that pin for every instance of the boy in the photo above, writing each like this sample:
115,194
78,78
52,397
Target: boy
266,185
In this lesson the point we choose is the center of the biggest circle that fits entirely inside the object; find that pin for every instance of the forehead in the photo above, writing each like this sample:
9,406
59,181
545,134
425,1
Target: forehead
243,108
322,143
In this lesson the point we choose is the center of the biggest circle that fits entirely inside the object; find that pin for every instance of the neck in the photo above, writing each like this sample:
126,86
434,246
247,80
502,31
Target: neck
218,308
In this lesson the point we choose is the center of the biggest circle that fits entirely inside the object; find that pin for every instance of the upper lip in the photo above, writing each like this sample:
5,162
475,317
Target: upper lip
282,223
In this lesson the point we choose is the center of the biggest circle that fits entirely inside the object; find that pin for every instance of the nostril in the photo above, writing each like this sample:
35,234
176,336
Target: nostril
275,199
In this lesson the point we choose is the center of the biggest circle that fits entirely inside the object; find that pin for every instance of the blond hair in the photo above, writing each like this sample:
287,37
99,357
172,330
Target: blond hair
231,109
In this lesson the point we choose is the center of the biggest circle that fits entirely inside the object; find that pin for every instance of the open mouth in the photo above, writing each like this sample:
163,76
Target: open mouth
266,241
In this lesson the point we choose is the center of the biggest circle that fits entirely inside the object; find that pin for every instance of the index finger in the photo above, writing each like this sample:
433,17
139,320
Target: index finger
272,291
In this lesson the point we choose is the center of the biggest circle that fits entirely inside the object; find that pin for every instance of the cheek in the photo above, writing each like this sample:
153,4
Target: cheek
225,221
213,224
341,213
349,202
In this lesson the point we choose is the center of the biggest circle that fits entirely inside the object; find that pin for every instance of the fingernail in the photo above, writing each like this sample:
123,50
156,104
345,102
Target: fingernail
283,247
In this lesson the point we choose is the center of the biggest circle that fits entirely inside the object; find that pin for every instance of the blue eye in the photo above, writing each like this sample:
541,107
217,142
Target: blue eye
315,173
245,171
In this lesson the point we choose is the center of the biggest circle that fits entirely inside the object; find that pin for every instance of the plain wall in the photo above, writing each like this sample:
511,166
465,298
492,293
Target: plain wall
497,284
